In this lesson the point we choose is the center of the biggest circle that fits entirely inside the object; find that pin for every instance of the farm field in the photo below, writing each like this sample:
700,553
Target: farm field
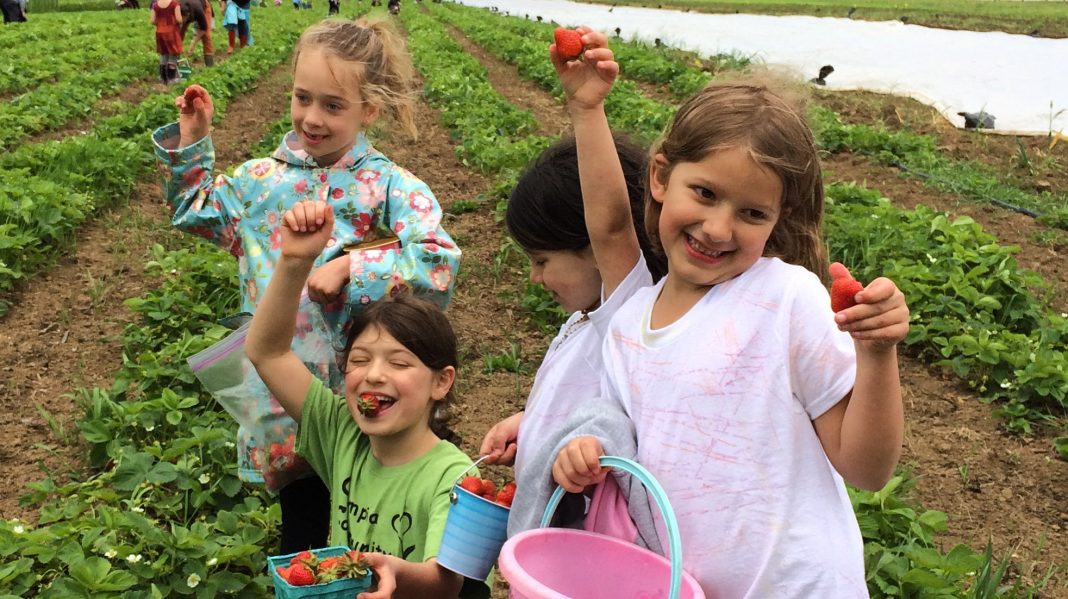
120,468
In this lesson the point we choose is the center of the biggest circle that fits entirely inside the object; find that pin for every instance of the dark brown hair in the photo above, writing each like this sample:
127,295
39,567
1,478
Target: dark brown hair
763,114
418,325
545,210
381,66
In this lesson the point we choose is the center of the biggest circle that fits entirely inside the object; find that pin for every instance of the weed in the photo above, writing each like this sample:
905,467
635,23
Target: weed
509,360
462,207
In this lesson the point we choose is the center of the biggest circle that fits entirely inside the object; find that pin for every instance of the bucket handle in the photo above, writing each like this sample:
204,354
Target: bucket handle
453,498
659,496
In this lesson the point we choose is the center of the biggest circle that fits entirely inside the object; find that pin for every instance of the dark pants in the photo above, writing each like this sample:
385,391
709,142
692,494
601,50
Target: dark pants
305,515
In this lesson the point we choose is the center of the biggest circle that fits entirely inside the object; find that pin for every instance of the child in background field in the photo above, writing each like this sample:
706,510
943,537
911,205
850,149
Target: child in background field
750,399
577,213
389,475
166,15
345,75
236,21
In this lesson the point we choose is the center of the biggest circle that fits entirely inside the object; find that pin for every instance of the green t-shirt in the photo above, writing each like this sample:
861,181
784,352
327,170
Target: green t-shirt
398,510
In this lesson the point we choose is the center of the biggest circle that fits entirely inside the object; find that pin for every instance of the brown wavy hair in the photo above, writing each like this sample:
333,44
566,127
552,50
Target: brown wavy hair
762,113
379,61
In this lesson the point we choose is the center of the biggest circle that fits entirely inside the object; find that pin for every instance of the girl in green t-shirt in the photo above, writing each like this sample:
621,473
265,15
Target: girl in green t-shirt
400,365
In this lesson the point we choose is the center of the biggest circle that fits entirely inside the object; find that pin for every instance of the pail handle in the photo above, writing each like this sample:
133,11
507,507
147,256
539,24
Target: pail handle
659,496
452,494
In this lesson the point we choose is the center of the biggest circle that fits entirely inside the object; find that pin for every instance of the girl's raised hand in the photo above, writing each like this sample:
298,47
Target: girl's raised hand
194,118
306,229
588,80
880,320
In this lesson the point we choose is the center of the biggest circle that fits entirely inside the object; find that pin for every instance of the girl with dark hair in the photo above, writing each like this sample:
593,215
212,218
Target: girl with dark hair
374,448
577,212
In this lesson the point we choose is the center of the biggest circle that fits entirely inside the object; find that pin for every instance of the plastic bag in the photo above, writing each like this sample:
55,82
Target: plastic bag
267,434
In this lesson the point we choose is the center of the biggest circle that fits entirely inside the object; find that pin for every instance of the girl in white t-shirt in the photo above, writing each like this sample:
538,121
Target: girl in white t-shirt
577,212
750,399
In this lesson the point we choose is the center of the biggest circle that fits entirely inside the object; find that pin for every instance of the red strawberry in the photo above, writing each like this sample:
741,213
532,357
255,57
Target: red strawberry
192,93
488,488
844,288
283,571
473,484
506,495
368,404
304,557
300,576
568,43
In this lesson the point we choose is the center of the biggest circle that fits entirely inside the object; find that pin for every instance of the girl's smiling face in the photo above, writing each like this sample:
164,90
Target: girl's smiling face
405,387
717,215
327,113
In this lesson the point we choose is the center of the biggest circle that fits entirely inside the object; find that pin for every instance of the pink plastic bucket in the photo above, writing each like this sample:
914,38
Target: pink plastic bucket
557,563
560,563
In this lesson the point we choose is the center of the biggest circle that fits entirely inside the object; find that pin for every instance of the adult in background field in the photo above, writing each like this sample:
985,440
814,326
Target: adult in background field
236,22
14,11
198,13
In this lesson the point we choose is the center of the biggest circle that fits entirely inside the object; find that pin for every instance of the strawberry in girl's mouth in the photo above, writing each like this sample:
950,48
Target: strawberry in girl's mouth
373,404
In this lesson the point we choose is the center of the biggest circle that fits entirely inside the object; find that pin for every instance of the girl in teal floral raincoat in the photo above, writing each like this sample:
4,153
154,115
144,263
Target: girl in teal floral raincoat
387,236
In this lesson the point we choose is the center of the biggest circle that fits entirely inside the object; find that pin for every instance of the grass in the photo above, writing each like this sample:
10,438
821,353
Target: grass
1049,18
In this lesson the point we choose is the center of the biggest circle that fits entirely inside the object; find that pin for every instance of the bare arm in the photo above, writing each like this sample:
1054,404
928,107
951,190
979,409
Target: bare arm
605,201
863,433
305,230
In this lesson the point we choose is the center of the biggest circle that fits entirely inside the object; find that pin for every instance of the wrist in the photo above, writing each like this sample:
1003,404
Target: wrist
582,110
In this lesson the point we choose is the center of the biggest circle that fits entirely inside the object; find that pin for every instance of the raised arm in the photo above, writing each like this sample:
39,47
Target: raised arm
605,201
862,434
306,229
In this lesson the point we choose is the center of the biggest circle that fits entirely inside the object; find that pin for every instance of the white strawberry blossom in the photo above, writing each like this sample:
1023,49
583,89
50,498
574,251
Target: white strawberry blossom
213,561
110,553
204,479
193,580
135,558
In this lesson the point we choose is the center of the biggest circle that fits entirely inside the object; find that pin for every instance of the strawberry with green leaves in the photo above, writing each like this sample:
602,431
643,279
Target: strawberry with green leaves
369,404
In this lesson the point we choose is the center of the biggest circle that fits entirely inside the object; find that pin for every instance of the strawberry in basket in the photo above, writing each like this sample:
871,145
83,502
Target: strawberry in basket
486,489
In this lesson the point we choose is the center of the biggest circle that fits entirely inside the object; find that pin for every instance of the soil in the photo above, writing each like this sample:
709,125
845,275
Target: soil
61,333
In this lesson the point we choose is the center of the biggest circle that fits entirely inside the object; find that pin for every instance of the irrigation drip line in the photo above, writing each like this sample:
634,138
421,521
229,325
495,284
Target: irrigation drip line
994,201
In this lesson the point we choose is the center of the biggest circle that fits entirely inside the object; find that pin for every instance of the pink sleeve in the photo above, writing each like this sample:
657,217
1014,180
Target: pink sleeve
608,513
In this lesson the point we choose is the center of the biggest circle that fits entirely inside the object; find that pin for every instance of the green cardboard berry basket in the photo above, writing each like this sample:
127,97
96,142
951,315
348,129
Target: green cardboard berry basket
344,588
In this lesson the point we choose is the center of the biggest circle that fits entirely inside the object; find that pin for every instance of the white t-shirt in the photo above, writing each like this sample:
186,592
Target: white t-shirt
722,402
571,369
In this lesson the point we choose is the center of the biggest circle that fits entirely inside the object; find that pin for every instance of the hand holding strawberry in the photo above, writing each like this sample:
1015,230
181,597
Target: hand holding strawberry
876,316
194,118
585,82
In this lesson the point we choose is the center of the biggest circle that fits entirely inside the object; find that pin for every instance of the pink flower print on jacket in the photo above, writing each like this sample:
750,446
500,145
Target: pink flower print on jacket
361,224
195,176
261,169
301,186
396,285
276,238
337,193
441,276
420,202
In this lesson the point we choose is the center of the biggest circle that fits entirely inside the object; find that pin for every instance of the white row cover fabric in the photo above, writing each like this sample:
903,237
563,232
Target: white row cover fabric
1019,79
